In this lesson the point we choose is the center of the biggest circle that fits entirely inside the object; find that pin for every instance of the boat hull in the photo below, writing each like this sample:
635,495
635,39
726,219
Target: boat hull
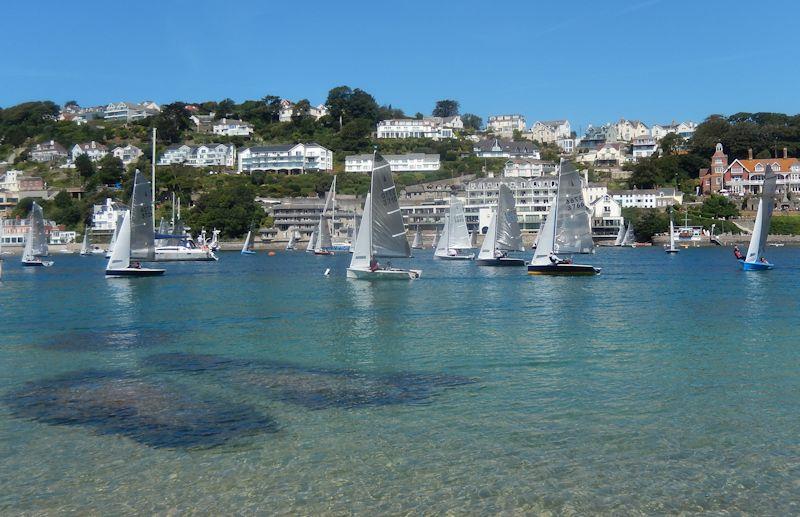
37,263
671,251
134,271
756,266
501,262
323,252
455,257
384,274
563,269
185,254
247,252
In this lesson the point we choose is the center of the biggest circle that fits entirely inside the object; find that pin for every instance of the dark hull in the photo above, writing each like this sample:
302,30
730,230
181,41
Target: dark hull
32,263
563,269
501,262
134,272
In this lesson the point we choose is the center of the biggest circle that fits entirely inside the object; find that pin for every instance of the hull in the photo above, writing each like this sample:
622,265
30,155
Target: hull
455,257
176,254
501,262
756,266
384,274
248,252
671,250
37,263
323,252
134,271
563,269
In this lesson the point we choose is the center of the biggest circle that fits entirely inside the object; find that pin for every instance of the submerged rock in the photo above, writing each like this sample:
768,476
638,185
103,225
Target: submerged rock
314,388
147,411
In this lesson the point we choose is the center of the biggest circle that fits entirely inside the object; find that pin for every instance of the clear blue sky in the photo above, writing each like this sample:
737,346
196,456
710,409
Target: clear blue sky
591,62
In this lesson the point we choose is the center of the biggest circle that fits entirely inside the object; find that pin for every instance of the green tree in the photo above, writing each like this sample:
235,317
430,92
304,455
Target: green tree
446,108
646,222
225,108
348,104
301,111
718,207
231,207
84,166
110,170
671,143
471,121
171,122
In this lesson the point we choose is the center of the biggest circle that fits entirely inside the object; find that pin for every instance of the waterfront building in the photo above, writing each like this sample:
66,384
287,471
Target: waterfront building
231,127
648,198
550,131
286,159
411,162
127,154
435,128
643,147
49,151
532,196
527,168
303,214
16,230
94,150
606,216
128,111
19,184
498,148
204,155
746,177
105,216
505,125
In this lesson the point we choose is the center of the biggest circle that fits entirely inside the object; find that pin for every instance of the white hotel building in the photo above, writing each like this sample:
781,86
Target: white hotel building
205,155
413,128
648,198
505,125
286,159
411,162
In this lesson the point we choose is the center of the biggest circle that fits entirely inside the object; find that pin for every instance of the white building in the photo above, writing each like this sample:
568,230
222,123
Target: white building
683,129
49,151
104,217
497,148
532,195
527,168
287,110
567,145
411,162
505,125
204,155
643,147
648,198
550,131
93,150
286,159
128,154
434,128
606,217
128,111
57,236
231,127
628,130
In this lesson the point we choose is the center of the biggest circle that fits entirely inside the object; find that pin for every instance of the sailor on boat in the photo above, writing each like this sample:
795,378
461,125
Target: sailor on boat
737,253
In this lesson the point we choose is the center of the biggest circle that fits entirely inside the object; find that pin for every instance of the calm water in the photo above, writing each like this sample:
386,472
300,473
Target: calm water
667,384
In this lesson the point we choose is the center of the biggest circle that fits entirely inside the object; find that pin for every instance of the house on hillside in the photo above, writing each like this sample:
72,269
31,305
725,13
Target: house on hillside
50,151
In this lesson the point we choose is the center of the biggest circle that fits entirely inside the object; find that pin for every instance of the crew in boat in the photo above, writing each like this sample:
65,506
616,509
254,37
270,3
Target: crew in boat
500,254
373,264
556,260
764,260
737,253
452,252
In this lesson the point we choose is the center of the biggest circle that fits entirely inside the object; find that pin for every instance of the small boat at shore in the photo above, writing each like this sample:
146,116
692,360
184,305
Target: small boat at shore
36,241
504,235
382,233
755,260
136,238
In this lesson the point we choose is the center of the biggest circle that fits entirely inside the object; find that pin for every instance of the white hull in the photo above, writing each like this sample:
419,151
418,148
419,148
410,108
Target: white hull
456,257
178,253
384,274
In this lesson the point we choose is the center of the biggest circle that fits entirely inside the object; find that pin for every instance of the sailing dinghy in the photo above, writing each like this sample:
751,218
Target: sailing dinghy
135,238
563,230
417,244
455,236
382,233
620,235
755,260
36,240
671,249
247,249
504,235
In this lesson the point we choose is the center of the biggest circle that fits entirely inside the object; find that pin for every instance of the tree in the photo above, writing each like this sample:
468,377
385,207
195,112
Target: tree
84,166
110,170
671,143
646,222
718,207
471,121
70,103
225,108
348,104
301,111
231,206
446,108
172,121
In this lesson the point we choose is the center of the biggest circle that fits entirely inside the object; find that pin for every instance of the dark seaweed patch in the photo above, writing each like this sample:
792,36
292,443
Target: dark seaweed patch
314,388
151,413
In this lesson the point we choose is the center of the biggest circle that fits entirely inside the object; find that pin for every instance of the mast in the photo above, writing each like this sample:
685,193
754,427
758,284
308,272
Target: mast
371,212
153,177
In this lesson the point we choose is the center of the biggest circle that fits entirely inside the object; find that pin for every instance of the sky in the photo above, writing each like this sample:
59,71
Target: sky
589,62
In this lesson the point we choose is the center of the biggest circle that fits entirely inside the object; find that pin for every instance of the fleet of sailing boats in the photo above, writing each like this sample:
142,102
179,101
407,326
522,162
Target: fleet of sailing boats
455,235
504,235
755,260
382,233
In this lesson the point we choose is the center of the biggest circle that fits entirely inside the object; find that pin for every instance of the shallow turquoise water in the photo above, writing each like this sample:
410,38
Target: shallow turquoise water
667,384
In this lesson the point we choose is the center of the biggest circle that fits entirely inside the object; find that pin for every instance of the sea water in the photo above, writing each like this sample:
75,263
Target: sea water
667,384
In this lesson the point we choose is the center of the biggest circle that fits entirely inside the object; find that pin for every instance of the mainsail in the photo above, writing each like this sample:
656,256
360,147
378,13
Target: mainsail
387,231
620,235
36,241
458,234
312,240
507,234
546,238
573,223
436,238
473,239
761,229
361,248
323,241
85,245
141,219
417,244
630,238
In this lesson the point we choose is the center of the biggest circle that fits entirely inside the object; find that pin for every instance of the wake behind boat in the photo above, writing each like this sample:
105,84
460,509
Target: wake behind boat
504,235
755,260
382,233
562,230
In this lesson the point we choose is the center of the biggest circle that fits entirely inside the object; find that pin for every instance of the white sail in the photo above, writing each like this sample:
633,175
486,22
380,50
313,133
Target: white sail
671,233
142,237
508,236
630,238
246,246
755,252
488,247
292,240
323,235
444,238
573,223
312,240
436,238
458,236
386,229
620,235
121,252
85,245
362,249
417,244
546,239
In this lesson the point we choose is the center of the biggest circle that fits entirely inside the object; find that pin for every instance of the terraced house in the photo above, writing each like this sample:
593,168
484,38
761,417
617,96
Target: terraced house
204,155
286,159
744,177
